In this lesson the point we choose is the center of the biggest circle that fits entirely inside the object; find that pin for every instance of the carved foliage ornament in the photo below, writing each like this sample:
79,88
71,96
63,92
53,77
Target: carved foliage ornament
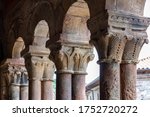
72,59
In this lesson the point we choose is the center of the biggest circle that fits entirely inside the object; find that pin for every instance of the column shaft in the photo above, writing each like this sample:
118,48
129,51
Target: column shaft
128,81
14,90
24,92
78,87
34,89
63,86
47,90
110,81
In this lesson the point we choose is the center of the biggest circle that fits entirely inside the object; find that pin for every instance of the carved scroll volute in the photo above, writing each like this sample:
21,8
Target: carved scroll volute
132,50
49,69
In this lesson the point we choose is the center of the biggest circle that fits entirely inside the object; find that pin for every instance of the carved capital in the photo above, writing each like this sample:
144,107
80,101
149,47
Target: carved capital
110,47
49,69
72,58
132,49
35,61
63,59
81,59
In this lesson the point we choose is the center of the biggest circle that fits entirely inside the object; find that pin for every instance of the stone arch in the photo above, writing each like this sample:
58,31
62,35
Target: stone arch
41,33
95,7
74,27
42,10
18,47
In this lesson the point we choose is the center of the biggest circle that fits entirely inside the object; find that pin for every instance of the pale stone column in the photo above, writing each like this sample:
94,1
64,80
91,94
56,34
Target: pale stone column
34,61
47,81
24,86
129,67
81,59
14,88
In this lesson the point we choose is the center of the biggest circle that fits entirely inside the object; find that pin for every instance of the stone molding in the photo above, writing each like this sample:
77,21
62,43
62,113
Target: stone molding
118,34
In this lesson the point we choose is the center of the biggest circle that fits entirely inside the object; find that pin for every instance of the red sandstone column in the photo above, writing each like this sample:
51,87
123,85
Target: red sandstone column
63,86
78,87
110,81
47,89
128,81
128,66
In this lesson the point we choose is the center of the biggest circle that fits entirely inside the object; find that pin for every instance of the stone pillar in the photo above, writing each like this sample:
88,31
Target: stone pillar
47,81
128,67
34,61
110,44
24,86
81,59
14,88
64,65
110,31
11,75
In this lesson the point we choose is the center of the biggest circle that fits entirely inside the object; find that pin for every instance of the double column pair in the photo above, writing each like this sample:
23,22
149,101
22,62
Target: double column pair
40,70
71,63
13,80
118,39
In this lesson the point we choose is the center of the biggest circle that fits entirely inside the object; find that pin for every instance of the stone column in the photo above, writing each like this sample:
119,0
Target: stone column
47,81
81,59
64,65
110,31
129,69
11,75
109,39
24,86
34,61
14,88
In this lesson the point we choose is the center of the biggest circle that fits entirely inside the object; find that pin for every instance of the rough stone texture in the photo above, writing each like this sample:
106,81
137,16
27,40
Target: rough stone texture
110,81
13,77
128,81
114,26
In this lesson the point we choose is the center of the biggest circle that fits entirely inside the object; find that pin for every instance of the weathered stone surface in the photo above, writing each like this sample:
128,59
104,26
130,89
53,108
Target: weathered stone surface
110,81
13,76
128,81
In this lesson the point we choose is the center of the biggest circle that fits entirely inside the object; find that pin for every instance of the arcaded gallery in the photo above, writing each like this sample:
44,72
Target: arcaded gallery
40,39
